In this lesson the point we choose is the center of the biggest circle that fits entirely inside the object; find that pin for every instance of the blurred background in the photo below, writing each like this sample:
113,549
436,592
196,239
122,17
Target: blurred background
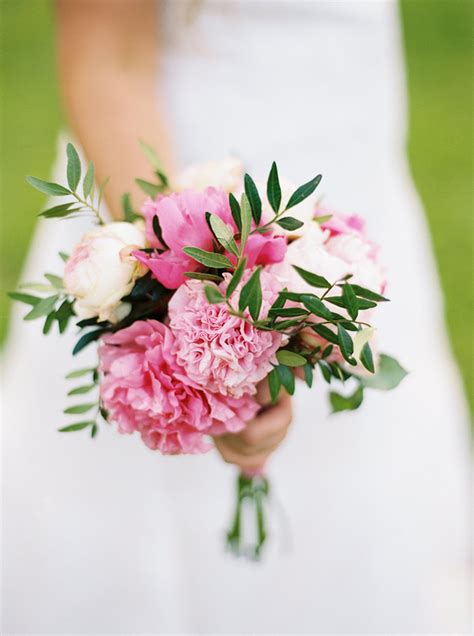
438,45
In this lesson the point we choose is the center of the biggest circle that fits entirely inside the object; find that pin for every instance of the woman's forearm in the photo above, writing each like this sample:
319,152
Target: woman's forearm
108,56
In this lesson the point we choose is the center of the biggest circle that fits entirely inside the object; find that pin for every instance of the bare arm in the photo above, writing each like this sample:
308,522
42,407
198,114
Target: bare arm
108,54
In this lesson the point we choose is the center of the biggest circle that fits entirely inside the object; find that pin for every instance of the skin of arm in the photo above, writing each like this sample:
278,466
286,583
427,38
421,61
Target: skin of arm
108,56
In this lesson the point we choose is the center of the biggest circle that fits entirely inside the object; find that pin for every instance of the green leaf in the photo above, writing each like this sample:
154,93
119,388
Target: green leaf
361,337
88,182
86,339
236,278
251,295
209,259
235,210
63,256
80,390
349,403
63,314
152,157
287,311
213,295
340,301
158,231
203,276
94,430
388,376
287,378
40,287
274,188
303,192
59,211
290,223
290,358
79,373
102,187
369,294
325,371
246,216
312,279
45,306
325,333
327,351
345,344
274,384
129,213
321,220
316,306
80,408
24,298
53,189
308,374
73,169
254,198
56,281
152,189
48,323
223,234
350,301
75,427
366,358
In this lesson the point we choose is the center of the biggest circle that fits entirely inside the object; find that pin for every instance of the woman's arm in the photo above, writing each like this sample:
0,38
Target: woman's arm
108,61
108,55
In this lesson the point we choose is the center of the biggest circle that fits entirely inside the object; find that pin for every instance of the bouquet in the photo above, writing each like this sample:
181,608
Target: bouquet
218,283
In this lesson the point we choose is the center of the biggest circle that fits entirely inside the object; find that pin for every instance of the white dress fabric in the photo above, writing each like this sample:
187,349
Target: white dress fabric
370,523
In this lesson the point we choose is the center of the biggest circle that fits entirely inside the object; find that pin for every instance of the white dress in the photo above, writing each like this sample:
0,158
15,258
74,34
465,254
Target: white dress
370,513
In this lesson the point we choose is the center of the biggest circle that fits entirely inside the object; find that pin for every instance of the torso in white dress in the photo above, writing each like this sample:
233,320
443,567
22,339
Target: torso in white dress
106,536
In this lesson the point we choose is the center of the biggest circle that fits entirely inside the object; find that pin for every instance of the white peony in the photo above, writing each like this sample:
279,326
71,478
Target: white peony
333,258
101,271
226,174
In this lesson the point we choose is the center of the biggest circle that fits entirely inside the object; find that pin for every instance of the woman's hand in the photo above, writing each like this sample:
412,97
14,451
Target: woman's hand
251,448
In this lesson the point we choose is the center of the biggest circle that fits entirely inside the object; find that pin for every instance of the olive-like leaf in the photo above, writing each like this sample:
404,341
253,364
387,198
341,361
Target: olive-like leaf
73,169
209,259
316,306
246,215
312,279
290,223
287,378
213,295
235,210
274,384
303,192
236,278
80,408
254,198
388,375
251,295
53,189
88,182
350,300
223,234
274,189
345,344
346,403
79,426
290,358
44,307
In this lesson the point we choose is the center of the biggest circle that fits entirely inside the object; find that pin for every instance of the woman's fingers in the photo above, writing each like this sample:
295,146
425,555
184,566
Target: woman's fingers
250,448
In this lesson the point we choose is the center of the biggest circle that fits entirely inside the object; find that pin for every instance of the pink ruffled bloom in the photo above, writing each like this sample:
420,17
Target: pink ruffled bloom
219,351
144,389
182,217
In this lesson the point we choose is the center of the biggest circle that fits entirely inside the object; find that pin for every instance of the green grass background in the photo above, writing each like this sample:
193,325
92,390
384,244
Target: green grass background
438,37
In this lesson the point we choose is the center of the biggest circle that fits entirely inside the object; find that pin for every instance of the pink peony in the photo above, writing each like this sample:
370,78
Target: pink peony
144,389
221,352
183,223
